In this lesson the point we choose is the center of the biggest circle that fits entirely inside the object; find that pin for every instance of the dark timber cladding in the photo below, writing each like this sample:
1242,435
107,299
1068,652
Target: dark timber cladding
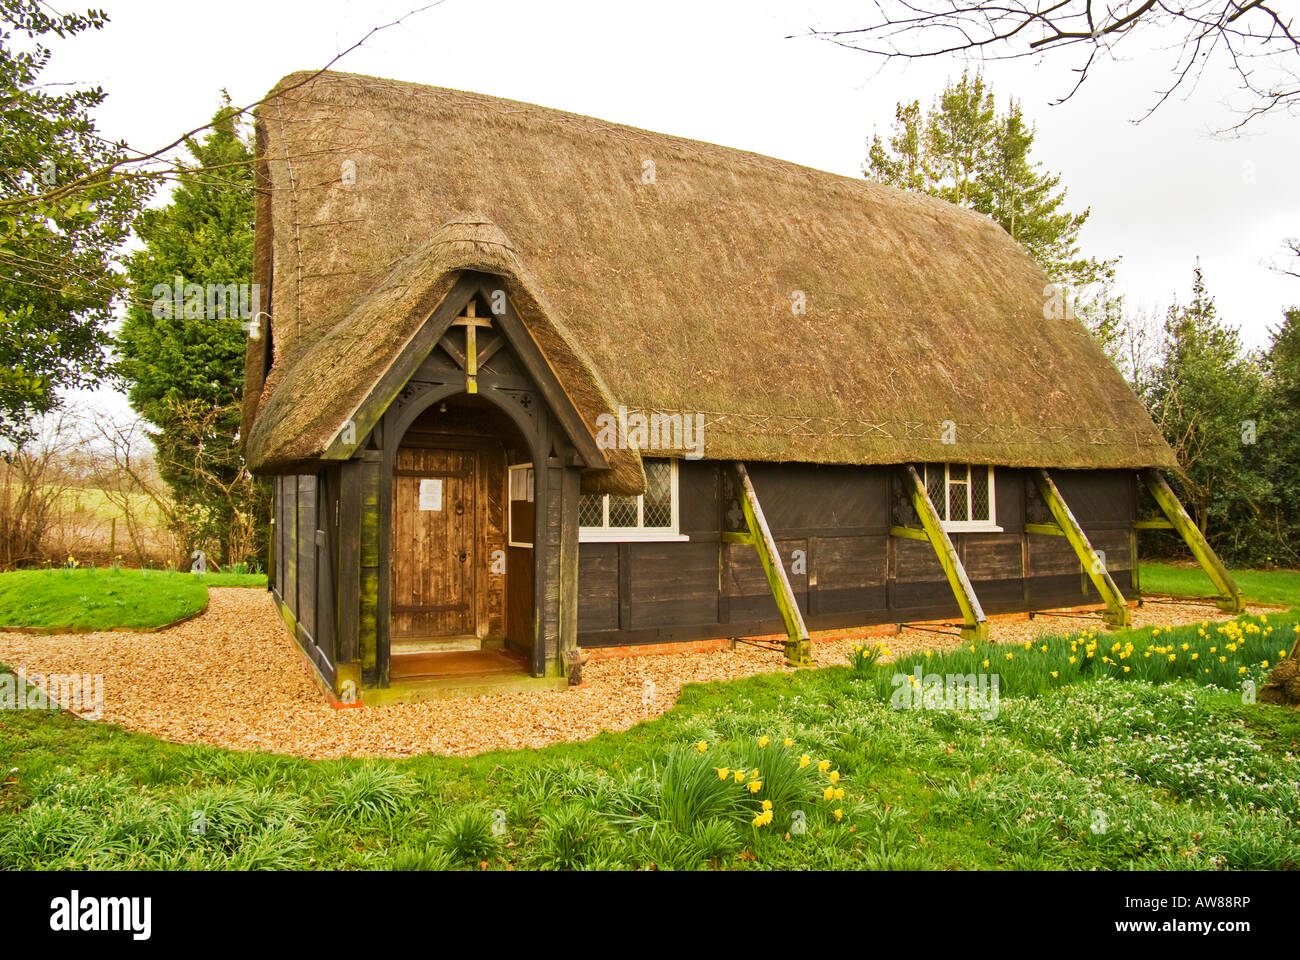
853,572
454,326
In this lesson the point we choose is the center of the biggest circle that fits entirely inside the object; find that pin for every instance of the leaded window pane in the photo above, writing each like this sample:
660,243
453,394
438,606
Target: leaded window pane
934,486
622,511
979,493
658,507
591,510
957,507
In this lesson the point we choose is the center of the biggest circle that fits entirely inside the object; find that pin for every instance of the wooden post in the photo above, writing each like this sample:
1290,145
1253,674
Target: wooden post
798,647
975,625
1094,566
1230,596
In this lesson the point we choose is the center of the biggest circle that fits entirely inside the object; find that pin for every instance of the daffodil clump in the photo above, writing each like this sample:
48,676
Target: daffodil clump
864,656
762,779
1224,654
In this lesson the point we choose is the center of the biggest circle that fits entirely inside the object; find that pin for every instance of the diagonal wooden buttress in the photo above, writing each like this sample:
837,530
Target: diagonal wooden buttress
1094,564
798,646
974,623
1230,597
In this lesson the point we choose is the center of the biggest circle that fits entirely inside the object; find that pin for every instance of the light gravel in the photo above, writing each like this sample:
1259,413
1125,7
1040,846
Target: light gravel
233,678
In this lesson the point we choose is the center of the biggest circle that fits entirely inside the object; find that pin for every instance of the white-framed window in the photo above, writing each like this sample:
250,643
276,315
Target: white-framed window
521,503
963,495
651,516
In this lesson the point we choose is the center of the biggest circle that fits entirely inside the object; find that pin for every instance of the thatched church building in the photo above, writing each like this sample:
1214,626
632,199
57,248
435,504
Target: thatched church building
530,382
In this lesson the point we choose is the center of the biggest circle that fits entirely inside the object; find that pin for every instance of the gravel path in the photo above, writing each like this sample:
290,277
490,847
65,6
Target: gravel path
232,678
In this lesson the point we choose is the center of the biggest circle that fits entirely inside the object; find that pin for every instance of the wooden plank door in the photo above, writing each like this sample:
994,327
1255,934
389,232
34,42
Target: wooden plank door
435,561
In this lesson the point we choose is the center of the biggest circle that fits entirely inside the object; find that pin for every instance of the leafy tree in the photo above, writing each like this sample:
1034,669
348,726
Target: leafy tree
1279,435
903,162
183,359
1206,396
58,280
960,139
964,151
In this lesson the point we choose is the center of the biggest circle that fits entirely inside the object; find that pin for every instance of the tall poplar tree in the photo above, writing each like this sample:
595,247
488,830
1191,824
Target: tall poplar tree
183,365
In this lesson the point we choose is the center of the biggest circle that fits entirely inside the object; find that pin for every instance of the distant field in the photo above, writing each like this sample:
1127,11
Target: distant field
95,503
88,525
1264,586
90,599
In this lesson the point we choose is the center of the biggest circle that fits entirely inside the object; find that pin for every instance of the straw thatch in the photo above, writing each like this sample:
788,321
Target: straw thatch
668,292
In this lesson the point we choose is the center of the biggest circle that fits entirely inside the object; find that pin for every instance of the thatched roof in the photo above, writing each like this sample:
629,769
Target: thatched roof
669,293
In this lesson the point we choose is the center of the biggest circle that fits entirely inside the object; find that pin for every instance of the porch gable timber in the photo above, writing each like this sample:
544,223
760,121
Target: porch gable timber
435,333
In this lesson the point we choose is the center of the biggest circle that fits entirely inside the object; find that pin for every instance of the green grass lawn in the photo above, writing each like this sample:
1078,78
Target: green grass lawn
1084,765
1265,586
102,599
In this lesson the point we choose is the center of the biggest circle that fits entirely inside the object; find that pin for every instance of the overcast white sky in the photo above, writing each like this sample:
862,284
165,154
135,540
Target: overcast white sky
1162,193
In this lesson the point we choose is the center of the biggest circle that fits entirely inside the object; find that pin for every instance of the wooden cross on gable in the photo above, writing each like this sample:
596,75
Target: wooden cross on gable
471,322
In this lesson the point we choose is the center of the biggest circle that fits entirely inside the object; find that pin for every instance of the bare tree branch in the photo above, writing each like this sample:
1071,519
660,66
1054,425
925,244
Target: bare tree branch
1252,39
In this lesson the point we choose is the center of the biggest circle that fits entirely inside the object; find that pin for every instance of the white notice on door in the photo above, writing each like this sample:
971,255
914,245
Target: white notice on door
431,494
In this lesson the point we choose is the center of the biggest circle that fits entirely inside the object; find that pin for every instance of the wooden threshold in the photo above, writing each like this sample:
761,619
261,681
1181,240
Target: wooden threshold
403,646
459,663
